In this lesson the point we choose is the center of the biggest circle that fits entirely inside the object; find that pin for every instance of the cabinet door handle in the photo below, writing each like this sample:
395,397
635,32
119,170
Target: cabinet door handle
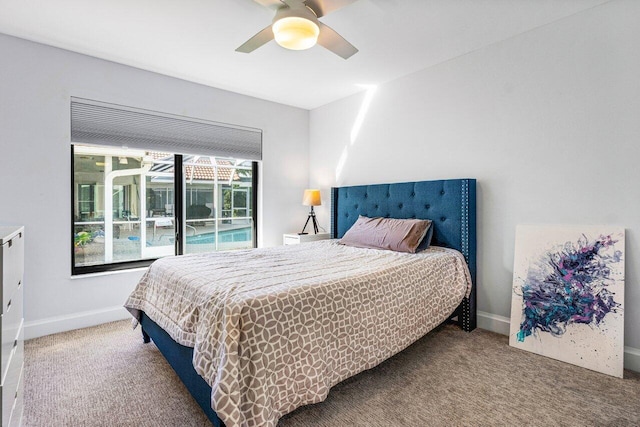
19,283
15,343
8,306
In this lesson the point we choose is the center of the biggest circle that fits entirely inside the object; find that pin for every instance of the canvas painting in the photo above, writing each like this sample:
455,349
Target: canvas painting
568,295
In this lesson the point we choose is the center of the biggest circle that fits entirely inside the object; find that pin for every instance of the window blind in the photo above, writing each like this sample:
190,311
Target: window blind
100,123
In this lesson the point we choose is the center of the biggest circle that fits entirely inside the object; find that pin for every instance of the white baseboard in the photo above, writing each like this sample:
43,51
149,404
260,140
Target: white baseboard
500,324
84,319
632,359
493,322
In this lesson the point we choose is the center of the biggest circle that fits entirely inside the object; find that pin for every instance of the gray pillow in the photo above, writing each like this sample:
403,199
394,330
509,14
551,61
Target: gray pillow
426,241
400,235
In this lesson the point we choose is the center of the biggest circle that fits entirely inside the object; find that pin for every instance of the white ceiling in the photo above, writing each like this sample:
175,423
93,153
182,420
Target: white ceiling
195,40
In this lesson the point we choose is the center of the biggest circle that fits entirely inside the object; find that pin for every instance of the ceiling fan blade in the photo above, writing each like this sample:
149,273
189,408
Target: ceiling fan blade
256,41
333,41
271,4
323,7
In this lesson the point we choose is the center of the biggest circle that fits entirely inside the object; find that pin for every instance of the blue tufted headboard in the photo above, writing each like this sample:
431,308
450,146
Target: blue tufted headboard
450,204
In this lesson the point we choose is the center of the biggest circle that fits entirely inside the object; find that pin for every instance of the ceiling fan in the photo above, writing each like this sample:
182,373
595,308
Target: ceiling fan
295,26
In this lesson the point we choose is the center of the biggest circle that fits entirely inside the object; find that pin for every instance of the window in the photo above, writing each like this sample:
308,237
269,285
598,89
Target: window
132,206
195,192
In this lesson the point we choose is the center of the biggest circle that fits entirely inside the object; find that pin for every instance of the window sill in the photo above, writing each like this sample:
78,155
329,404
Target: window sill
107,273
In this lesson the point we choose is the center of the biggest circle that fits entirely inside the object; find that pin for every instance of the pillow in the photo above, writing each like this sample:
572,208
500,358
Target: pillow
400,235
426,241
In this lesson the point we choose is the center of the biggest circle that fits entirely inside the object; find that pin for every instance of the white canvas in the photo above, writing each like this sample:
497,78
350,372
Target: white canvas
568,295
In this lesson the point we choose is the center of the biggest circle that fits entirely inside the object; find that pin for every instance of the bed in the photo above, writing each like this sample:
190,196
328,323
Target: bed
309,337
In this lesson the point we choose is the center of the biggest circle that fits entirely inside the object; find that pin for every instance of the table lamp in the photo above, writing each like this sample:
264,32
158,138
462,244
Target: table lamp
311,198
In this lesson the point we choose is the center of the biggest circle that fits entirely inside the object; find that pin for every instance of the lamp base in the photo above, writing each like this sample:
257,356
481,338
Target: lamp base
312,217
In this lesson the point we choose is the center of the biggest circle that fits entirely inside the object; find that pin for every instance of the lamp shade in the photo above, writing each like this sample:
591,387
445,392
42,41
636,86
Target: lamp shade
295,33
311,198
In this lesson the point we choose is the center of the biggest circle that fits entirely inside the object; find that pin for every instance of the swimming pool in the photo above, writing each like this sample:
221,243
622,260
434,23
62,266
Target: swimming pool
226,236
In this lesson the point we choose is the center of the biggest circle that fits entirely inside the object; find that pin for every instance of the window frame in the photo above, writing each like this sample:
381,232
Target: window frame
178,215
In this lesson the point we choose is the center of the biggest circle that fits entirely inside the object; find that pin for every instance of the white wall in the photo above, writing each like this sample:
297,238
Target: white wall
548,122
36,82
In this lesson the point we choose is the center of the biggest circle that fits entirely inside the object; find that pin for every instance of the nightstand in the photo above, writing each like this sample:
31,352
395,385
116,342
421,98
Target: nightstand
295,238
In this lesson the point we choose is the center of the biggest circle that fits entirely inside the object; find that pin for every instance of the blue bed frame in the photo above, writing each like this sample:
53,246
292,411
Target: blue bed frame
450,204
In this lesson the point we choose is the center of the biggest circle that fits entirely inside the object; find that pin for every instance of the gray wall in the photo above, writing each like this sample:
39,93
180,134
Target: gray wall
547,121
36,82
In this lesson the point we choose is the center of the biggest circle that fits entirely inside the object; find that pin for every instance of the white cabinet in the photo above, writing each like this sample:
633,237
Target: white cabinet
294,238
11,324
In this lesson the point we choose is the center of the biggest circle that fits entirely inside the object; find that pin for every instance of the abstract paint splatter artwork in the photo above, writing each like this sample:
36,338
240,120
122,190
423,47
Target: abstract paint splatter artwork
568,295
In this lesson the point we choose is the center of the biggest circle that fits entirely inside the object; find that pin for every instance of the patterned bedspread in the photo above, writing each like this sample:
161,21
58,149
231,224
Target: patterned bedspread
274,329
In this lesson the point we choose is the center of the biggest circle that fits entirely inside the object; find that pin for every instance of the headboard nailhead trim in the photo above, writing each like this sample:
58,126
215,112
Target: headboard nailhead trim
465,220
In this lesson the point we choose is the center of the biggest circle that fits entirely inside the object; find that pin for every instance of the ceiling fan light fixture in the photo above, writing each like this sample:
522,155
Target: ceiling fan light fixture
295,33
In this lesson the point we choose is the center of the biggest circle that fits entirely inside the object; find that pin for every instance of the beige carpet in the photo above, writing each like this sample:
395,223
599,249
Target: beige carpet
106,376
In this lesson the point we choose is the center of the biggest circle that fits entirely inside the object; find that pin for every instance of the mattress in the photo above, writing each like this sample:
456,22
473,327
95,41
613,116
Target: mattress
274,329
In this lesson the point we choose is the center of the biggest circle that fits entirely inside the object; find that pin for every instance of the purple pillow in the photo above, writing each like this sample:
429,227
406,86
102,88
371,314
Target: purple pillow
400,235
